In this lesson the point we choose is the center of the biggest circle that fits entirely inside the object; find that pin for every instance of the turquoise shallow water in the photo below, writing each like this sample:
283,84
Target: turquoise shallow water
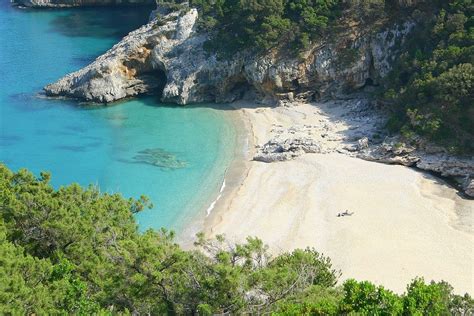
107,146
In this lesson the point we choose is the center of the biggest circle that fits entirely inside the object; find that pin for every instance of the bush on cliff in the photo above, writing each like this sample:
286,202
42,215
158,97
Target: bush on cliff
78,251
260,25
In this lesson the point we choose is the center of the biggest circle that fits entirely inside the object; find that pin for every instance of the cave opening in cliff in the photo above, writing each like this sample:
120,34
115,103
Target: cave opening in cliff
148,76
296,85
154,82
239,89
370,81
151,83
160,84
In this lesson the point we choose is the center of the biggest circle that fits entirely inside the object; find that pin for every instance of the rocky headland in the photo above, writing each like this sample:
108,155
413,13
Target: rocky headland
171,48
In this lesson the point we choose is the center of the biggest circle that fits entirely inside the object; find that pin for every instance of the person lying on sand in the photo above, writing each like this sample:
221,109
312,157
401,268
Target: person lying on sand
345,213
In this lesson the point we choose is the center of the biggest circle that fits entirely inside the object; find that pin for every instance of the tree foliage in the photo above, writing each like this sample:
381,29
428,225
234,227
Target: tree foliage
432,86
260,25
78,250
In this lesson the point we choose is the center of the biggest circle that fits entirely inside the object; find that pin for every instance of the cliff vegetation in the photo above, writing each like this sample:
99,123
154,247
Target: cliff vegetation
431,89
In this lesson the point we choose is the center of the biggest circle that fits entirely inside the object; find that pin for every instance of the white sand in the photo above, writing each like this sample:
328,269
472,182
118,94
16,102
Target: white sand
405,223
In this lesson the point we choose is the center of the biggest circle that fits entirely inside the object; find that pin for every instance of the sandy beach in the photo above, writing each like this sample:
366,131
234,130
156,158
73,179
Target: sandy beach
404,223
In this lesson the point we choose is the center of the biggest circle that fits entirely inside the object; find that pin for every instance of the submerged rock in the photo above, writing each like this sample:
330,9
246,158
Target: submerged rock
159,158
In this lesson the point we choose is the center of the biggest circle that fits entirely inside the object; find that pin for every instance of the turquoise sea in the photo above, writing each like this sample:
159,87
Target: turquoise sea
177,156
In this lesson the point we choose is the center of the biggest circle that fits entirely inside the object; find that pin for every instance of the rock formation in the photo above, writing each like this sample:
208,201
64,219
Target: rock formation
424,157
353,127
170,48
286,149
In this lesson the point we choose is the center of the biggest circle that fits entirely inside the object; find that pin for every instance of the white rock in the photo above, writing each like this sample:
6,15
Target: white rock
170,49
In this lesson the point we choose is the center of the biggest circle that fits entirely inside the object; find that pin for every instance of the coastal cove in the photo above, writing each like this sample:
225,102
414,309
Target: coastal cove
177,156
202,157
284,173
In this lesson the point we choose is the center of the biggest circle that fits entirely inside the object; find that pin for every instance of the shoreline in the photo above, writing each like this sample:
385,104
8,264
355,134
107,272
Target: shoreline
239,167
238,170
233,178
427,229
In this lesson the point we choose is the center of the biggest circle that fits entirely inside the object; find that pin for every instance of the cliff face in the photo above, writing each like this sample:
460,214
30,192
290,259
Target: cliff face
78,3
168,54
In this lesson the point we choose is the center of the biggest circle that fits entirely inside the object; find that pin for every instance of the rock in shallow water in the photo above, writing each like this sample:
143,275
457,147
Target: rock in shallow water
159,158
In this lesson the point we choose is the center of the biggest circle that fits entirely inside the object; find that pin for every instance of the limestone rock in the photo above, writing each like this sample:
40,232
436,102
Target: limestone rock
168,56
468,187
287,149
133,66
363,143
447,165
392,152
425,157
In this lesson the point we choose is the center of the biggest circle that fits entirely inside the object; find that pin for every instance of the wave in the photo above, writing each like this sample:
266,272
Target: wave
213,204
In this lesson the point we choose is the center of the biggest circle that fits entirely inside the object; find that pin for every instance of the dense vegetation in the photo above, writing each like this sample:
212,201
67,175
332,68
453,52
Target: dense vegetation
268,23
294,25
262,24
78,251
431,89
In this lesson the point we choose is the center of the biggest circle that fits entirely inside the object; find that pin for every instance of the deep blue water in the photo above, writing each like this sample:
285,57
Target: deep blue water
177,156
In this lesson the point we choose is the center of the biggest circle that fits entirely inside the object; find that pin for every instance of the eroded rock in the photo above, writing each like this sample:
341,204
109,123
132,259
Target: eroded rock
468,187
286,149
170,49
425,157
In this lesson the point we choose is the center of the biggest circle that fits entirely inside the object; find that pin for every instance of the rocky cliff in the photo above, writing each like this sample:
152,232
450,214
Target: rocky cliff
169,49
78,3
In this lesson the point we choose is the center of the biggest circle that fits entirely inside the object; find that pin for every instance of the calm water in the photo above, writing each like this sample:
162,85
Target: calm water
177,156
